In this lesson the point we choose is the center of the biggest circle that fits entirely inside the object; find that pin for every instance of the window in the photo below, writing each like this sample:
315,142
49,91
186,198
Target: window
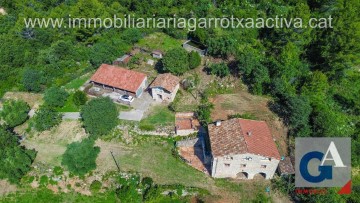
263,166
247,158
227,165
242,165
228,158
265,159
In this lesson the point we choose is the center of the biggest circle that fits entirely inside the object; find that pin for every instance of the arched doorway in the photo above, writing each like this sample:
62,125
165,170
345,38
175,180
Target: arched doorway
260,176
242,175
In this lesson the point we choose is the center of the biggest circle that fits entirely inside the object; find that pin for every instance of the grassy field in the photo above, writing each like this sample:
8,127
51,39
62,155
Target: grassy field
78,82
159,41
159,116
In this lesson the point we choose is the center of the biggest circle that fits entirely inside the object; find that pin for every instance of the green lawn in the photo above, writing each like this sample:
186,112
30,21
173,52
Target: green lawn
159,116
159,41
78,82
155,159
69,105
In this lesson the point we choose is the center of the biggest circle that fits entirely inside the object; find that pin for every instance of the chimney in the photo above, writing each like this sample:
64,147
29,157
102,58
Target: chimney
249,133
218,123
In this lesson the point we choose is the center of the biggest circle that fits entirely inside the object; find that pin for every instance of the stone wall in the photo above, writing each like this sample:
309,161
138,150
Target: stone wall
243,166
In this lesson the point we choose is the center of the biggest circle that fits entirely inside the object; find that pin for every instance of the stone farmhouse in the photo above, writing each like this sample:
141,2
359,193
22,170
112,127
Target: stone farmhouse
165,87
242,148
121,80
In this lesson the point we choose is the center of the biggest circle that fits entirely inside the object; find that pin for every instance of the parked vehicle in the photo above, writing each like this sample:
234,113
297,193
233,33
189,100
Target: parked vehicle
126,98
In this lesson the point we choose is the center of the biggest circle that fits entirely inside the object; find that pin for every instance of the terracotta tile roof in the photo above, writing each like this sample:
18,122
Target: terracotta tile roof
286,167
186,121
117,77
240,136
166,81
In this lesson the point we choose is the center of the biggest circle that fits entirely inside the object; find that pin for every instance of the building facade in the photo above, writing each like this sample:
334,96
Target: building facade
165,87
242,148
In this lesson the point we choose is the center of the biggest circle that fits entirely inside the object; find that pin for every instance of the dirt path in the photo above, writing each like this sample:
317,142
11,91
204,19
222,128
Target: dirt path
6,187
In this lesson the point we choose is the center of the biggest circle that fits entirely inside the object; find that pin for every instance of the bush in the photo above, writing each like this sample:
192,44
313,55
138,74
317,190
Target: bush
55,97
95,186
194,59
31,80
58,170
46,118
146,127
100,116
176,61
80,157
219,69
14,113
79,98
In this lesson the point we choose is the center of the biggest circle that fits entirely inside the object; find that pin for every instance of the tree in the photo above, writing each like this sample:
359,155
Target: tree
99,116
79,98
219,69
46,118
15,160
131,35
80,157
299,110
14,112
194,59
222,46
55,97
176,61
31,80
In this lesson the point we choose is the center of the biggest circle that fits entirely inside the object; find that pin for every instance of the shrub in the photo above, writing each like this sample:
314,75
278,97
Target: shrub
219,69
194,59
100,116
95,186
14,113
55,97
80,157
79,98
176,61
44,180
46,118
31,80
146,127
58,170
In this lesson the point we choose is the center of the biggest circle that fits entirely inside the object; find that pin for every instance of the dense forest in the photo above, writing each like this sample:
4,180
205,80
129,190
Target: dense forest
312,74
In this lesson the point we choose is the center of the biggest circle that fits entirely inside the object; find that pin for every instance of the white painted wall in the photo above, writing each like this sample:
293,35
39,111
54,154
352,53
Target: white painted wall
221,169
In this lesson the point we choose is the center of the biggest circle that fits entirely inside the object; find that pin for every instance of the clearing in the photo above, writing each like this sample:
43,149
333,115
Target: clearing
159,41
34,100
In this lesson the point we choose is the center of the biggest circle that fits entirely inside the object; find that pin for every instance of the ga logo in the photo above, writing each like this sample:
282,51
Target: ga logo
322,162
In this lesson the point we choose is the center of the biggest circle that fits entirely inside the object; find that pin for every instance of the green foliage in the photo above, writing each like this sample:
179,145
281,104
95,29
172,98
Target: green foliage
14,113
219,69
176,61
132,35
58,170
44,180
46,118
100,116
31,80
79,98
244,116
222,46
194,59
55,97
15,160
80,157
95,186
